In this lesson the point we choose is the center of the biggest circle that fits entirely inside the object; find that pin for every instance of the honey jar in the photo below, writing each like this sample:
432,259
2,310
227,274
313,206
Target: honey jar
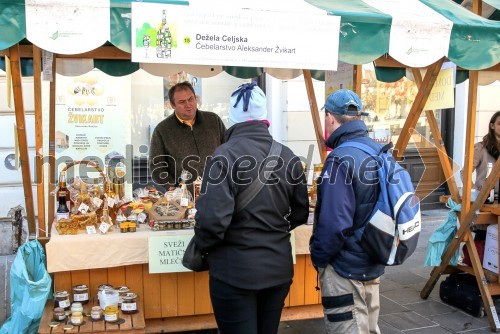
111,313
124,227
76,307
76,318
59,314
129,305
61,299
81,294
132,227
96,313
103,287
122,290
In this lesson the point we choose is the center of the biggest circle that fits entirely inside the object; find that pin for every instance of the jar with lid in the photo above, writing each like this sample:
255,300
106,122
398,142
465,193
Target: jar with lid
81,294
129,305
61,299
76,318
108,297
96,313
111,313
103,287
59,314
76,307
122,290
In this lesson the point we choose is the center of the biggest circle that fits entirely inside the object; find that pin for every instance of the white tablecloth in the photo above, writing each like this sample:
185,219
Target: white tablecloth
115,249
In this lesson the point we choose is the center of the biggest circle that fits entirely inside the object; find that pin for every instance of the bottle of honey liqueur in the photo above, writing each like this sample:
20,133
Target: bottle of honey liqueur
63,189
62,208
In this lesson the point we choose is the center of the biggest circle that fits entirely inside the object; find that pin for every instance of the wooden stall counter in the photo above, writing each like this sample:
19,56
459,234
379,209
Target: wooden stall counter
171,302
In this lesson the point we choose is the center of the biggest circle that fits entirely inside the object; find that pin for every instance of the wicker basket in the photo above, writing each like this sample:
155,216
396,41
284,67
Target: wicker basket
79,222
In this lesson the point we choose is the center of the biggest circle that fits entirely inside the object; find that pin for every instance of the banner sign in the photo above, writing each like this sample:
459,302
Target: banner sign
166,252
442,95
93,117
237,37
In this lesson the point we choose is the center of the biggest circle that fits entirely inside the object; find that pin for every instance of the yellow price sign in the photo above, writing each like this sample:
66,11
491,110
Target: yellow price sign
187,40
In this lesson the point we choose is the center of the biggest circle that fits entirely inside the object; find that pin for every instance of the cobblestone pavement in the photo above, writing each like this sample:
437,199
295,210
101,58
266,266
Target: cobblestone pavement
402,309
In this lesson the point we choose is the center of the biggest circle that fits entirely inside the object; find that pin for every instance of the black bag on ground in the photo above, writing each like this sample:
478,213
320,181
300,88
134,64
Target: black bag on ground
461,290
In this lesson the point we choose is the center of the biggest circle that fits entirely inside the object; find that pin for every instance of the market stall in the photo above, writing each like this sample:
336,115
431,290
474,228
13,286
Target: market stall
369,31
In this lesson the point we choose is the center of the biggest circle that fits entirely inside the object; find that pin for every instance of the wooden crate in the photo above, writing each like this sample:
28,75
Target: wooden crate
134,323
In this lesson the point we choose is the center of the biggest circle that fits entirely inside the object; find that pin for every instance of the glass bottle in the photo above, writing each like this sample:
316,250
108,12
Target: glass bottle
62,209
491,197
97,198
105,218
82,204
63,189
110,200
185,196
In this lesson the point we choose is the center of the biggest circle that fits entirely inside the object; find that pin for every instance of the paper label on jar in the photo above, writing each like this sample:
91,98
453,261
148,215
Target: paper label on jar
111,201
97,202
184,201
80,297
104,227
129,306
111,317
75,321
91,230
83,208
64,303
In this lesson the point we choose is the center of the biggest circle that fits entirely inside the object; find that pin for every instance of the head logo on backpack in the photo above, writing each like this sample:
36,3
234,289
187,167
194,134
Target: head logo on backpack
392,232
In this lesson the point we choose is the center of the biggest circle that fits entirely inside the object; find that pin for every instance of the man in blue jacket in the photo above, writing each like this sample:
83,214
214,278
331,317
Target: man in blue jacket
347,192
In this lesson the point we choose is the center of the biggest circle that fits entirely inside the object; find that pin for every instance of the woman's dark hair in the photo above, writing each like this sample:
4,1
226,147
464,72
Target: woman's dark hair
490,142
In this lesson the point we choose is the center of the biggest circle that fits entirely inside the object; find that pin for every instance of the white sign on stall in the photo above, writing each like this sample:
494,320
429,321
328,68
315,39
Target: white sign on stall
234,37
166,252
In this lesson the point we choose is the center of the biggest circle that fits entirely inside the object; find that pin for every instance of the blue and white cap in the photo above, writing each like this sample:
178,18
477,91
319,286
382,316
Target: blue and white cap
248,102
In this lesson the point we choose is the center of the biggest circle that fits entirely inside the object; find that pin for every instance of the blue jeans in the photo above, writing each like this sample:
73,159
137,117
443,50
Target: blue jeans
242,311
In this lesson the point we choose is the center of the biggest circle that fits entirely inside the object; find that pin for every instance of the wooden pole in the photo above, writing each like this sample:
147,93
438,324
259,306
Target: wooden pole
15,62
357,78
315,114
416,108
40,184
52,145
469,142
438,142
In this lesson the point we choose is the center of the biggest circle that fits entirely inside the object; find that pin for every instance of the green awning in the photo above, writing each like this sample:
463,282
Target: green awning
368,30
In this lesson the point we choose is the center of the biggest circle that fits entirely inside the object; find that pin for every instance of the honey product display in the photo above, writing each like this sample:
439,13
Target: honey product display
76,318
81,294
129,305
96,313
122,291
63,190
61,299
111,313
59,314
62,208
76,223
76,307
